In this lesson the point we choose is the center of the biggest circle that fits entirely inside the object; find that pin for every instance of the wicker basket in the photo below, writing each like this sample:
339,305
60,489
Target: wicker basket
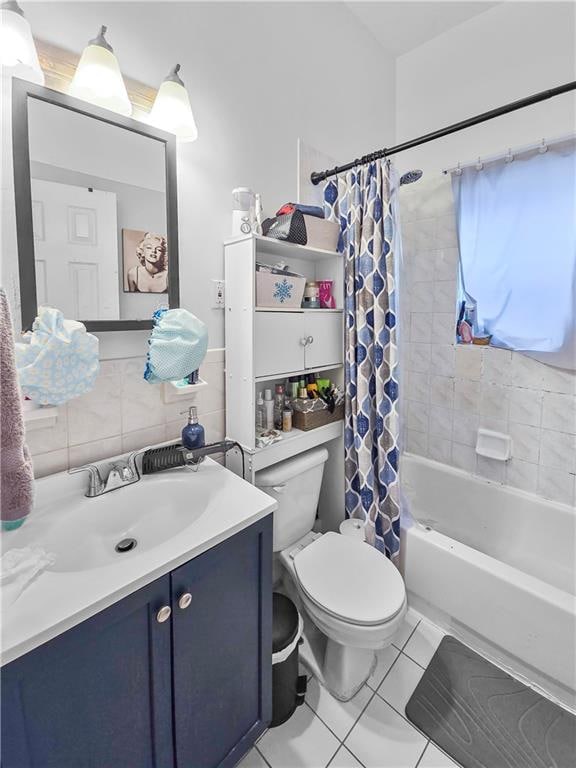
314,419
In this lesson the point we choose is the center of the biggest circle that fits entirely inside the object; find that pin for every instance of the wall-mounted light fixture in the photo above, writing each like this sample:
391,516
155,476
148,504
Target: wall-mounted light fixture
18,54
98,78
172,110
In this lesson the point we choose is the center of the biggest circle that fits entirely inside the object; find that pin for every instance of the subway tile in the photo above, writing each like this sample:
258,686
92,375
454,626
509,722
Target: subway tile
522,475
446,264
464,457
47,439
439,449
422,266
446,232
525,441
559,412
494,425
443,359
466,395
445,296
419,386
416,442
95,451
559,380
443,327
142,438
49,463
468,362
556,485
424,234
421,327
494,401
440,422
93,420
525,407
465,428
442,391
526,372
496,365
558,450
422,296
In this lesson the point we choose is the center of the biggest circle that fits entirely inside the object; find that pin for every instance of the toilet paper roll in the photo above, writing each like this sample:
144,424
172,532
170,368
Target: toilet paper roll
352,527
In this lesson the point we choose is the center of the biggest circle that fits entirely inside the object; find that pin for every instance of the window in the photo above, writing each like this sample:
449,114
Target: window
517,236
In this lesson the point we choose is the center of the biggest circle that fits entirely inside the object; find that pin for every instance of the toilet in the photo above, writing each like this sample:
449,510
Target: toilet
352,597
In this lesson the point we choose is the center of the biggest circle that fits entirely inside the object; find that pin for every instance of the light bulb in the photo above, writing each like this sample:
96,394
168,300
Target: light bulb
172,111
18,54
98,78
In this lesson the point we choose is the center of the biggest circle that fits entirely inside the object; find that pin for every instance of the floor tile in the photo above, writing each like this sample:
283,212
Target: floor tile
423,643
339,716
302,742
385,659
383,739
400,683
253,760
344,759
410,621
434,758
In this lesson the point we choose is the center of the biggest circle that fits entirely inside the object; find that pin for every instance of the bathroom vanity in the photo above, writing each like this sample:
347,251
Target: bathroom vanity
174,672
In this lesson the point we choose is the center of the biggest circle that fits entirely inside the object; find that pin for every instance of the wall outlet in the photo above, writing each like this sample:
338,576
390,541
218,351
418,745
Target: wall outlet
217,294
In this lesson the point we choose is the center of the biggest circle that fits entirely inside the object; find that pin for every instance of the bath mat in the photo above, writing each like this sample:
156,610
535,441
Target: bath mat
483,718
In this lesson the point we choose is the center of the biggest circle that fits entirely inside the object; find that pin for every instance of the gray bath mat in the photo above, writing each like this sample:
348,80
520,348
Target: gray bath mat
484,718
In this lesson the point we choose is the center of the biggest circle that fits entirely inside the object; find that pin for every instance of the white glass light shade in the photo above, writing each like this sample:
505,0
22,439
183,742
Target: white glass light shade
18,54
98,79
172,111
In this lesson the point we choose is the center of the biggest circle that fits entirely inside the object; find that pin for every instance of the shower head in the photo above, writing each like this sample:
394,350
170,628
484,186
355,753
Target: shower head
410,177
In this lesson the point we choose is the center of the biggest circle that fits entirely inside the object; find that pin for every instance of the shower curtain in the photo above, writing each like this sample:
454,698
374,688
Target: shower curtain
363,202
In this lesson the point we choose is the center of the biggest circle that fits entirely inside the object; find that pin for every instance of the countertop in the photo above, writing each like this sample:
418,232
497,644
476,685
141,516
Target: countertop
57,601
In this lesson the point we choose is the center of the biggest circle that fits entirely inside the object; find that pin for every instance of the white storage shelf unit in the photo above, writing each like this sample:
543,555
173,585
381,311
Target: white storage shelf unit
267,345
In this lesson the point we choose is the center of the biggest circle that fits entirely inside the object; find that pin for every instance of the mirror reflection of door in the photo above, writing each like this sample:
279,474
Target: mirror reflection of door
76,250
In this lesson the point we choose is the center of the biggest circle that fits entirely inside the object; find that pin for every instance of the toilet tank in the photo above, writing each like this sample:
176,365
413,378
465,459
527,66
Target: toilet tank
295,484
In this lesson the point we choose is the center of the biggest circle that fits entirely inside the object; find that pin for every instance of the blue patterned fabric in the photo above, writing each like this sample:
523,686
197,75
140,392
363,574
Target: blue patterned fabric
362,203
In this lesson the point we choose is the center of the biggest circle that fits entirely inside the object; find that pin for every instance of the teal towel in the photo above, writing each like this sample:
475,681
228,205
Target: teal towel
177,346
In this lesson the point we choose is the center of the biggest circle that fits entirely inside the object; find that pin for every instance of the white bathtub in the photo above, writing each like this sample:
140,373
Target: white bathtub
497,567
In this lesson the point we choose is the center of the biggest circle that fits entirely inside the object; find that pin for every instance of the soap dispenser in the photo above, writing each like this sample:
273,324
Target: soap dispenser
193,432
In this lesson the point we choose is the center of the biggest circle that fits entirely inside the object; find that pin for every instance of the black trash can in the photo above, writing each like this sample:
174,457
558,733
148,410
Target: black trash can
288,688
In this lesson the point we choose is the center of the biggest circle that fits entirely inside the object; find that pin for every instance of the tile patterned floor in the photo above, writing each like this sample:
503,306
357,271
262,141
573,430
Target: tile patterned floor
371,731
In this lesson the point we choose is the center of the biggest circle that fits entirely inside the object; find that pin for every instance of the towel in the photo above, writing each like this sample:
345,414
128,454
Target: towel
16,473
177,345
58,360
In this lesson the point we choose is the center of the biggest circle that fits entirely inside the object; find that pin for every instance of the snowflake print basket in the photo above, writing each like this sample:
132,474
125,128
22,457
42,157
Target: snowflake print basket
283,290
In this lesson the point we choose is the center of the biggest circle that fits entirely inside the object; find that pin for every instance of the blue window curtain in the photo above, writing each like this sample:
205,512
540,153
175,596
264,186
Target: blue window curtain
517,236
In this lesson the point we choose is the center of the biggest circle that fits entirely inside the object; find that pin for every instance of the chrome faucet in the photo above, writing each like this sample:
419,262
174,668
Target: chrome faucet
118,474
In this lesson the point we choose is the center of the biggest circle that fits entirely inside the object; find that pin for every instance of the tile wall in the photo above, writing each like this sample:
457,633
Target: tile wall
452,390
123,413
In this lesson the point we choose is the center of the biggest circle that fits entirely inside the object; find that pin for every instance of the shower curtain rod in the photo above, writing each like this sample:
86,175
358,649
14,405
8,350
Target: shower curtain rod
317,176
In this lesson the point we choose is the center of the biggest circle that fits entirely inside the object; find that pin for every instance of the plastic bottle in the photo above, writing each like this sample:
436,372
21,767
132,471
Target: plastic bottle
260,412
193,432
278,406
269,408
287,417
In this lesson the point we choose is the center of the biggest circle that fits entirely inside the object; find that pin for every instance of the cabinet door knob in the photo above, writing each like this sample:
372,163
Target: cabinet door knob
163,614
184,600
303,341
310,340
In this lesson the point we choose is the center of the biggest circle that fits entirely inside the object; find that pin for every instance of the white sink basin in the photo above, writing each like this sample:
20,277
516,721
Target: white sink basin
82,533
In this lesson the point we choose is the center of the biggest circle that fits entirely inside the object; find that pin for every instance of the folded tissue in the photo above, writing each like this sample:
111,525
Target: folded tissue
57,360
177,345
19,568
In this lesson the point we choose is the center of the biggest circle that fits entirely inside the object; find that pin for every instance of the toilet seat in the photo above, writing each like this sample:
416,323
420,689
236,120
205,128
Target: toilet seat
350,580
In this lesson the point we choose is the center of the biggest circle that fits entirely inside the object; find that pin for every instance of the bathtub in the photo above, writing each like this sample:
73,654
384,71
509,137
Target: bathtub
496,567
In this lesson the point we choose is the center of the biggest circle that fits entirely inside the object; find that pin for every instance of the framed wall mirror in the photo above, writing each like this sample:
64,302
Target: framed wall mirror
96,212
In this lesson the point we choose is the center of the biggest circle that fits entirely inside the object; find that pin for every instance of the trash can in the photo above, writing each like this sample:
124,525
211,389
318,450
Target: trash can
288,688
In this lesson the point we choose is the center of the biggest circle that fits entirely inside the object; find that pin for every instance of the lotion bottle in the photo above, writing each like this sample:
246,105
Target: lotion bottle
193,432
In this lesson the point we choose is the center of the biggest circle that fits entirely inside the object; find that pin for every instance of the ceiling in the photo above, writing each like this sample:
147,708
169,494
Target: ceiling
401,26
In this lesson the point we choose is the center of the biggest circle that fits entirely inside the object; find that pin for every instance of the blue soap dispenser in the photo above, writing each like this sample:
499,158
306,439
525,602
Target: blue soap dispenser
193,433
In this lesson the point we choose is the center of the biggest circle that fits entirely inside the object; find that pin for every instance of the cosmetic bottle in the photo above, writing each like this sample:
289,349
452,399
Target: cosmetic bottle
193,432
260,412
287,417
278,406
269,408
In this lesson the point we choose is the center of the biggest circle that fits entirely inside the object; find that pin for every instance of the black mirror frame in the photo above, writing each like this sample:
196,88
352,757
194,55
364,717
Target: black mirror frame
22,90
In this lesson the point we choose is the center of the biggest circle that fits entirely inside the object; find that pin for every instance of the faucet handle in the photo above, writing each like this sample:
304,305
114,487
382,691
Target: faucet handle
95,483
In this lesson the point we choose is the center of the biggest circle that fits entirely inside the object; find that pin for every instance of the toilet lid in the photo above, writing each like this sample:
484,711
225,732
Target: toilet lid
350,579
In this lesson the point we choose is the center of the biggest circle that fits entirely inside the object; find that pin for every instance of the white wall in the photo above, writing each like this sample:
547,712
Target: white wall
507,53
260,75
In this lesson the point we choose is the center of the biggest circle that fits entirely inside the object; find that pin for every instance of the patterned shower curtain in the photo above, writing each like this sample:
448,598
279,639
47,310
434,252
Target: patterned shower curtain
362,202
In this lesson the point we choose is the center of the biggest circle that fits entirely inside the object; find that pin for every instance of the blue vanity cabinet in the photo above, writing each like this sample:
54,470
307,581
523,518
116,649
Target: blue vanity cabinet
222,649
125,690
97,696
